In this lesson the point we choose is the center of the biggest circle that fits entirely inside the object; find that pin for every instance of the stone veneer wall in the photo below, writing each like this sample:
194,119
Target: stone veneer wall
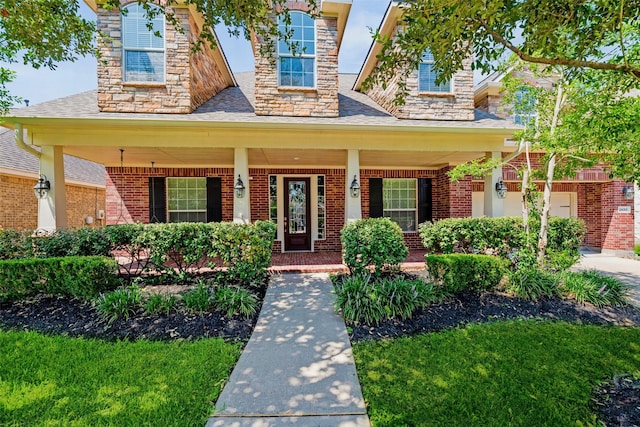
191,79
321,101
19,207
128,190
457,105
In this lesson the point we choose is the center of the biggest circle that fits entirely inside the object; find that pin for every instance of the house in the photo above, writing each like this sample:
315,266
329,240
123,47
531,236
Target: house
185,139
19,172
591,195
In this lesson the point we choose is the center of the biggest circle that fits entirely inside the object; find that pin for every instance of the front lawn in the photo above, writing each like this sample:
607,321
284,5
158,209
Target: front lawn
55,380
520,373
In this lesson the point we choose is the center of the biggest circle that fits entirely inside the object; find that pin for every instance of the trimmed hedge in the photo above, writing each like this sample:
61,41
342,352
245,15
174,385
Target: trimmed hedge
376,242
503,236
81,277
244,249
461,272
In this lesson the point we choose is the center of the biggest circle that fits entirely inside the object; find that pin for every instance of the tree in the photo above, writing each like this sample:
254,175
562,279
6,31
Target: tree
584,119
601,35
43,33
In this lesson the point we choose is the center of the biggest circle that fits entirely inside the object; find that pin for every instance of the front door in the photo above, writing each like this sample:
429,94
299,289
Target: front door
297,210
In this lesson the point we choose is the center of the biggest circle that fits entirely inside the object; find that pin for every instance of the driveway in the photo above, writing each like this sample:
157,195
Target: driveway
625,269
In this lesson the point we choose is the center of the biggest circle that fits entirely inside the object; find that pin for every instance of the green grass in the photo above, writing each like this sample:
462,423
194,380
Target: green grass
60,381
521,373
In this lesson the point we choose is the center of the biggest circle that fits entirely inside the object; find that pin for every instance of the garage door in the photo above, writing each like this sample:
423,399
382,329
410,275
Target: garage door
562,204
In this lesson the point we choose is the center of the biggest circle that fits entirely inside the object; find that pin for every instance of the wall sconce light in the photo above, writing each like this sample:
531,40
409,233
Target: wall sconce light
42,187
501,189
627,192
239,188
354,187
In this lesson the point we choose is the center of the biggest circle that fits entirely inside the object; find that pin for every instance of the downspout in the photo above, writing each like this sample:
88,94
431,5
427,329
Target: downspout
21,144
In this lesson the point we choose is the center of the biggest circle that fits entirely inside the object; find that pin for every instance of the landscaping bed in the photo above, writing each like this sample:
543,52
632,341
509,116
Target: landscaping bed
480,307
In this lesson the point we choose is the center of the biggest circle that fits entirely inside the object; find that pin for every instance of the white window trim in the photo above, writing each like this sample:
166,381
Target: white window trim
125,49
170,211
421,92
414,210
301,54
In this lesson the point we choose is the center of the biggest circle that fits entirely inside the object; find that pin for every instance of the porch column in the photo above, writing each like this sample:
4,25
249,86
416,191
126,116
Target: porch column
352,205
493,205
241,206
52,210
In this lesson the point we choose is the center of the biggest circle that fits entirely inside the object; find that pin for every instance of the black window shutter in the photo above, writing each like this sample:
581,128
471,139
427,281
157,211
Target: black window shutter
157,199
424,200
214,199
375,198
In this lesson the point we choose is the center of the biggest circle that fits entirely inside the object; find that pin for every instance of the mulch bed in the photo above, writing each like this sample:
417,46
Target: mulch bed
617,402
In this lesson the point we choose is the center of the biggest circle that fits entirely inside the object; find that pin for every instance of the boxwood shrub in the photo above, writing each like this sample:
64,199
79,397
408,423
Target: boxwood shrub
503,236
376,242
461,272
81,277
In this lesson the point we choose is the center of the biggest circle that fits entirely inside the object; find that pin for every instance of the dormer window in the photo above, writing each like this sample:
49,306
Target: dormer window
298,70
427,76
143,58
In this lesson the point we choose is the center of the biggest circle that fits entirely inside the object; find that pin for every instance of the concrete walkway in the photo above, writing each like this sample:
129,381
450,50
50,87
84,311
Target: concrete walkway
297,368
625,269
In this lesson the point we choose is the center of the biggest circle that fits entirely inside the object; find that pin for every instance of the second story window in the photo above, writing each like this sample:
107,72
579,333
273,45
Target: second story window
524,109
427,76
298,70
143,58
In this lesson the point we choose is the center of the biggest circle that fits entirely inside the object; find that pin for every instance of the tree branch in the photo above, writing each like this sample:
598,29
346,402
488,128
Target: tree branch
625,68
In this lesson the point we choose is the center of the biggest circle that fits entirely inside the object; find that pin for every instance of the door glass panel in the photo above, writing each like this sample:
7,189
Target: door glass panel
297,207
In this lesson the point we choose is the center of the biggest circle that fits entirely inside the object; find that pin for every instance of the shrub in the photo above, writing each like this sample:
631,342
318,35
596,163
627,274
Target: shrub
125,240
122,302
198,299
636,249
14,244
460,272
160,304
594,288
504,236
532,283
245,249
376,242
362,299
234,300
176,245
80,277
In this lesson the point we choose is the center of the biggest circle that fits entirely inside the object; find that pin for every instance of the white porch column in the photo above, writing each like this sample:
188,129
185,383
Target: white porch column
353,205
52,210
493,205
241,206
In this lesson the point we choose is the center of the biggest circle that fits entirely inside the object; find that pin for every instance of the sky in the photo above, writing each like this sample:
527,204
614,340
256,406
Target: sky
70,78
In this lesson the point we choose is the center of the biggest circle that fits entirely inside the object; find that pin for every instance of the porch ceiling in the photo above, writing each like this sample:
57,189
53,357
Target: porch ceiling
263,157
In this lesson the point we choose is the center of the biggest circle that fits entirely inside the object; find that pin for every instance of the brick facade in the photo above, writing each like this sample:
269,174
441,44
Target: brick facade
19,206
191,79
321,101
127,190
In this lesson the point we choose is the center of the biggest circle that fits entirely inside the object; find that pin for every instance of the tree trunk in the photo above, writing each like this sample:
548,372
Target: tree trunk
526,173
544,219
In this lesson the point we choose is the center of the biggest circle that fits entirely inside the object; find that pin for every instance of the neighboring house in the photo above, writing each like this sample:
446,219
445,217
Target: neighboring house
183,139
19,172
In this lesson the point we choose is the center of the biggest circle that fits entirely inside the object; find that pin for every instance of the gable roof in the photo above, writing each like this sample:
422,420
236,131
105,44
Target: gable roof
14,158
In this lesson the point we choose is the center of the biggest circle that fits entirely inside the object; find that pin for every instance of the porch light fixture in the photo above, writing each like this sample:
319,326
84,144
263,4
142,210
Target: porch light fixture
627,192
501,189
42,187
239,187
354,187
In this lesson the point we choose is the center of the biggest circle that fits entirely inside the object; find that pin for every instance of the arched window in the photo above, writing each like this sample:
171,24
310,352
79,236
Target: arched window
427,76
298,70
143,56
